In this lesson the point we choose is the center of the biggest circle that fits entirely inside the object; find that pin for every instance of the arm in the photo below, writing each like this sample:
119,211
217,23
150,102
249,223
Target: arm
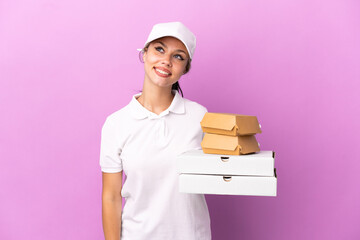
112,205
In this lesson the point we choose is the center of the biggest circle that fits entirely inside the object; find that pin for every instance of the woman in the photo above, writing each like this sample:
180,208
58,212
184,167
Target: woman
143,139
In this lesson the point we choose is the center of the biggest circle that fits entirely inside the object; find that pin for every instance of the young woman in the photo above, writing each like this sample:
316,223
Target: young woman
143,139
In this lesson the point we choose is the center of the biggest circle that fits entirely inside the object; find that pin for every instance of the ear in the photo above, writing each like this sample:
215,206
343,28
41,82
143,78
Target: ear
143,56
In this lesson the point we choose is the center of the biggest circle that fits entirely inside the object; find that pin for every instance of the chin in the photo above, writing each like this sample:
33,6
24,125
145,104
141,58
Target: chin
163,83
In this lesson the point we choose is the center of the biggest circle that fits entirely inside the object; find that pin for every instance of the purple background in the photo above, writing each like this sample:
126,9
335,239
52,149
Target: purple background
66,65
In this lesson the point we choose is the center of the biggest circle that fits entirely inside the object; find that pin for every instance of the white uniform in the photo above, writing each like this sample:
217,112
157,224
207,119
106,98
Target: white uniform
145,146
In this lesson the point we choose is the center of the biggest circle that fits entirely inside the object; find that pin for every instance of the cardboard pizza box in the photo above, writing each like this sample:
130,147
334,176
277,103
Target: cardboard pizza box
195,161
228,185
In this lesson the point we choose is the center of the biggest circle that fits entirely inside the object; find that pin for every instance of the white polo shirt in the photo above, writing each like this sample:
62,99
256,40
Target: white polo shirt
145,145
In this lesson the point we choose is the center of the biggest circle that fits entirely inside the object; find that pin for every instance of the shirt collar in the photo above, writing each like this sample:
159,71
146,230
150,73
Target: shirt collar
140,112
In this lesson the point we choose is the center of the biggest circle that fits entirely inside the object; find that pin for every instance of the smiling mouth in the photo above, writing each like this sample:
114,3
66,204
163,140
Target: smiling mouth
162,73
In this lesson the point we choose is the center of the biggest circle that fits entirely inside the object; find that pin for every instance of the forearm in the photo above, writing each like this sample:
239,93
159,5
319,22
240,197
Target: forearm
111,216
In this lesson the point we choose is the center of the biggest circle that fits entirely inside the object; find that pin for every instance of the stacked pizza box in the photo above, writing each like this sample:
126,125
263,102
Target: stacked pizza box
230,161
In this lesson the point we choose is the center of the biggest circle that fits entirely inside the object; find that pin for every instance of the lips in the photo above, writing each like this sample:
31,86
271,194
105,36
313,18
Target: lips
162,72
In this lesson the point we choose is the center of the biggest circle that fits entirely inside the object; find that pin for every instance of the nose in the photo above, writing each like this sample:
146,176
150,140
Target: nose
167,60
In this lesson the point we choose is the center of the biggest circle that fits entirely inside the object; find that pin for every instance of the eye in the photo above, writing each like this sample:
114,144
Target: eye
179,57
159,49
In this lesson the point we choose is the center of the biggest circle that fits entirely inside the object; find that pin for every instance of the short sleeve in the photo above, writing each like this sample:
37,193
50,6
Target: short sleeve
110,161
202,110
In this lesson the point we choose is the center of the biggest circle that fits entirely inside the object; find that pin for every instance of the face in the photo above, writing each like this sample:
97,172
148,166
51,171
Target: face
165,61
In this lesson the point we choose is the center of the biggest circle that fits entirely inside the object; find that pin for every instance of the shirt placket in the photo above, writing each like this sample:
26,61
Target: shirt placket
161,130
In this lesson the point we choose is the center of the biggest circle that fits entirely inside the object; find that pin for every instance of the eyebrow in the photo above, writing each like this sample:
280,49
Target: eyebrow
179,50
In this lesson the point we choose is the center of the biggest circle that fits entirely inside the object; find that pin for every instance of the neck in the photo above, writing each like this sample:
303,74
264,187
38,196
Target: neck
155,99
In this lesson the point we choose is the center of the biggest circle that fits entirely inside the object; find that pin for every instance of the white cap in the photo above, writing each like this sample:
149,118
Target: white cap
173,29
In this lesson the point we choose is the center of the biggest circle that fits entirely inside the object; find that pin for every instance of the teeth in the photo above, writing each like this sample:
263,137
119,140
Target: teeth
160,71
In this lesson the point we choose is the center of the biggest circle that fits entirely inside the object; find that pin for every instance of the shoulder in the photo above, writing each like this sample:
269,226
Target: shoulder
118,117
194,107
